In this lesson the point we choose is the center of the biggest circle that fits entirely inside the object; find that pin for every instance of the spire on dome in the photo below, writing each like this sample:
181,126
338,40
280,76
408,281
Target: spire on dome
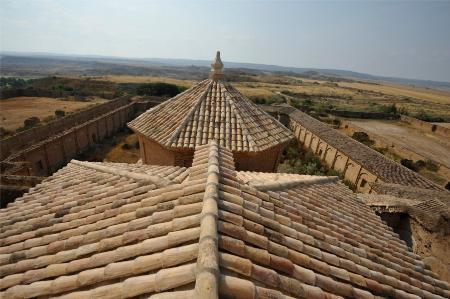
216,68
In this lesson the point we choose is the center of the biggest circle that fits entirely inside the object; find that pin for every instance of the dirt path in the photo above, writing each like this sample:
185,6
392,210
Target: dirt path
434,147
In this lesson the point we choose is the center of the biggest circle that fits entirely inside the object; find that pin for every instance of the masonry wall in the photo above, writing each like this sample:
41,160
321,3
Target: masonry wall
47,156
26,138
154,154
333,158
265,161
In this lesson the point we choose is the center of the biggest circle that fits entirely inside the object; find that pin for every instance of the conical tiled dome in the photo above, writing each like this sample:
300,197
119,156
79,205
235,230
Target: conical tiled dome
212,109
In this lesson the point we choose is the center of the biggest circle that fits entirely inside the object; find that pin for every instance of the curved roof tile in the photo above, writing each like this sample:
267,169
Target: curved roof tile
211,110
89,231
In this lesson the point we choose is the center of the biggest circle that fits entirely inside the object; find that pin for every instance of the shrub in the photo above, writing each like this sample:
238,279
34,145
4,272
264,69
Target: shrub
420,164
337,122
4,132
60,113
422,115
159,89
431,166
391,109
350,185
31,122
409,164
307,103
363,138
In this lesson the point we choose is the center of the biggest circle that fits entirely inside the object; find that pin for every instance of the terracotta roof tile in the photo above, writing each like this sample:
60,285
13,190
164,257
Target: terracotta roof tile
211,110
101,229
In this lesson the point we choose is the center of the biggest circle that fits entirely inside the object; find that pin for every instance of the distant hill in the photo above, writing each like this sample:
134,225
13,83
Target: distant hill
40,64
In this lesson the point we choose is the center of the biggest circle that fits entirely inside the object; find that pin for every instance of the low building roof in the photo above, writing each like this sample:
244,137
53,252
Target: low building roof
387,170
108,230
211,110
431,208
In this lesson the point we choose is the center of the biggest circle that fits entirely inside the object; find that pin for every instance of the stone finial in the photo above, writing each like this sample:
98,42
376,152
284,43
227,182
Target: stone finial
216,68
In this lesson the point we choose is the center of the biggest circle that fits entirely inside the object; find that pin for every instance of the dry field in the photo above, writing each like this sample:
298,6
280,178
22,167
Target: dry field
14,111
342,95
446,125
144,79
405,141
427,94
433,147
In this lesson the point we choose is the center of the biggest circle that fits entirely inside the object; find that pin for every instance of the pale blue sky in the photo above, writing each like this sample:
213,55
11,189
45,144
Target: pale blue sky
405,39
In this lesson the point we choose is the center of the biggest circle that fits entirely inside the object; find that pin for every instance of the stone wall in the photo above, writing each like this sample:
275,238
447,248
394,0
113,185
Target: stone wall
334,158
357,162
426,126
154,154
362,114
47,156
41,151
265,161
26,138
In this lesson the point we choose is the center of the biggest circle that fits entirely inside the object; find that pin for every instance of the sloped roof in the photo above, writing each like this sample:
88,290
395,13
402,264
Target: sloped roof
267,181
96,230
431,208
387,170
211,110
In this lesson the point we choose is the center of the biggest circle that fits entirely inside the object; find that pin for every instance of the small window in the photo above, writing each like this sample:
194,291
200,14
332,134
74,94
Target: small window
320,152
363,183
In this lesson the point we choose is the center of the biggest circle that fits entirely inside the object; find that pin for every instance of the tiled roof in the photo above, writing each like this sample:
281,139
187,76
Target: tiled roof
107,231
386,169
431,208
265,181
211,110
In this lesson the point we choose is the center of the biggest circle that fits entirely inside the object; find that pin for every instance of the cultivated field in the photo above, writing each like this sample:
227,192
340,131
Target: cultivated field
14,111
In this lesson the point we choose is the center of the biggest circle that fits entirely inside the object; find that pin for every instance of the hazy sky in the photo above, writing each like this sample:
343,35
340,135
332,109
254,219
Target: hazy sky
405,39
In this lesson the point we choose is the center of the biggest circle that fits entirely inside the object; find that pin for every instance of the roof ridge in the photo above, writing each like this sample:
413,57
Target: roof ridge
190,114
207,272
154,179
